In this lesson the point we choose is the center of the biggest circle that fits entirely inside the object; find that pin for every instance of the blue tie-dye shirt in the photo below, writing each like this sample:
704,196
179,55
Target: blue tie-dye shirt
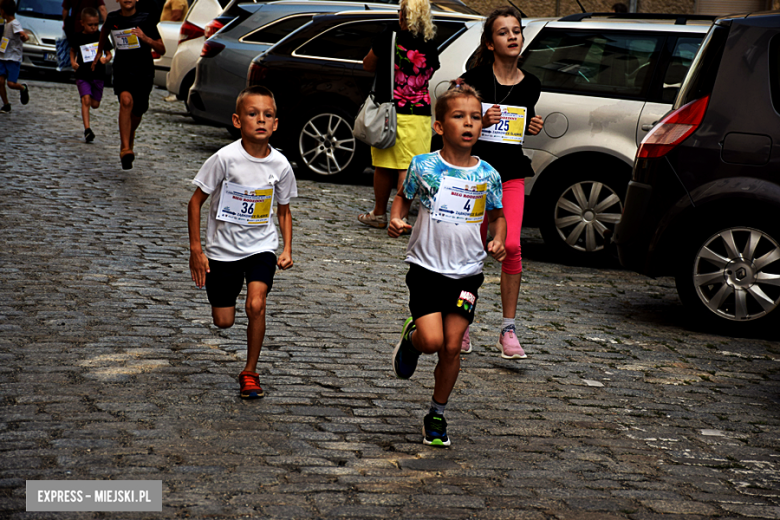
454,250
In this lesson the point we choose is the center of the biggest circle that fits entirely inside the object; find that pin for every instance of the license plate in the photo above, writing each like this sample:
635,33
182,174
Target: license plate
50,56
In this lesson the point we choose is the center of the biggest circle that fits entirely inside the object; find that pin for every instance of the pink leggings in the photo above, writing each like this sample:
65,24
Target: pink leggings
513,201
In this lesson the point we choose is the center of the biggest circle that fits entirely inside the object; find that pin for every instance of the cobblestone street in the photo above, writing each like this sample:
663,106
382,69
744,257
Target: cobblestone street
110,367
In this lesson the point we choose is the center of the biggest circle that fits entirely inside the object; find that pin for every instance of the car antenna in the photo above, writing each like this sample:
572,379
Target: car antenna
521,11
580,4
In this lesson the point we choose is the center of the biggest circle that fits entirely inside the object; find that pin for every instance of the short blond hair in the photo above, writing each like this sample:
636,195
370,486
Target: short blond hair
455,90
417,15
255,90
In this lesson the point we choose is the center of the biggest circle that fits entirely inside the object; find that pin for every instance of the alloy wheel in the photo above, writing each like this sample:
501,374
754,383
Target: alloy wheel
326,144
736,274
584,212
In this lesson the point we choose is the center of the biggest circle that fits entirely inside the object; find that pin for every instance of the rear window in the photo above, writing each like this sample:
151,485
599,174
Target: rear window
774,71
271,34
352,41
685,50
51,9
612,64
704,69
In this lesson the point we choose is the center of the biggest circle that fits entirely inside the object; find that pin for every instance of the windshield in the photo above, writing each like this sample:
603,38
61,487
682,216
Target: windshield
51,9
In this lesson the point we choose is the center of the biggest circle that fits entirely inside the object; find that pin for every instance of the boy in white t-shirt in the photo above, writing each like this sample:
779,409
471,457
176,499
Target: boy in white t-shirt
445,250
11,55
245,178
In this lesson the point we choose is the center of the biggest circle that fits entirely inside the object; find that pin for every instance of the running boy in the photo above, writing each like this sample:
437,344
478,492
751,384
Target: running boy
11,55
445,250
82,54
241,238
135,35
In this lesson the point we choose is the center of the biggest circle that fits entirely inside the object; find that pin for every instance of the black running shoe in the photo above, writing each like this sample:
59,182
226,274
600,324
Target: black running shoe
435,430
25,95
127,161
5,109
89,135
405,356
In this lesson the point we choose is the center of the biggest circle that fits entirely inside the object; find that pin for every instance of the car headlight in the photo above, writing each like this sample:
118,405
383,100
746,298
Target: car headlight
32,39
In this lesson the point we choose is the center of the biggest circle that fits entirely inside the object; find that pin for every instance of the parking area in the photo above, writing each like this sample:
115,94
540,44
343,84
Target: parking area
111,368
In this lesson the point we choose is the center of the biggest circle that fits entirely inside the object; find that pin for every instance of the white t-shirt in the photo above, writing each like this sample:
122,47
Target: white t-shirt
227,241
454,250
13,48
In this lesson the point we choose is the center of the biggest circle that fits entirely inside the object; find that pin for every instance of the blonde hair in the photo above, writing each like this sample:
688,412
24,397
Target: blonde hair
456,90
417,15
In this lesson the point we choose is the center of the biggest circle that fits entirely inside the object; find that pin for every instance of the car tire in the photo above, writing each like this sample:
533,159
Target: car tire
323,145
729,275
577,212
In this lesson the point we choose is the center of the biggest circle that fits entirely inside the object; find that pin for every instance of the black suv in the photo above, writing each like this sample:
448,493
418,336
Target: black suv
704,200
317,76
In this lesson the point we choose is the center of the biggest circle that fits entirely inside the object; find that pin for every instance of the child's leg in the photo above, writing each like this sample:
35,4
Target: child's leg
3,93
125,115
15,86
448,367
135,122
223,317
86,103
96,92
256,295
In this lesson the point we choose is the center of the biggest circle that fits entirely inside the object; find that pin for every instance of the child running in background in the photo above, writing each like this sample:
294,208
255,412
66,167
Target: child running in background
445,252
82,54
135,35
11,55
246,176
507,92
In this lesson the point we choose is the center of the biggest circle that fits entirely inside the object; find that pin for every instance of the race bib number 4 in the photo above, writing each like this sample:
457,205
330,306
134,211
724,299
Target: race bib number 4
511,128
125,40
460,201
88,52
245,205
3,44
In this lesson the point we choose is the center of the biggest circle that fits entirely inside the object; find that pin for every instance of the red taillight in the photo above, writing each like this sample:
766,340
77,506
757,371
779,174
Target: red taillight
212,27
673,129
211,49
256,74
189,31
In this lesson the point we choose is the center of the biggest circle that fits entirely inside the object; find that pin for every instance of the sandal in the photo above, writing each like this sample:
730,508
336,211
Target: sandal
127,157
376,221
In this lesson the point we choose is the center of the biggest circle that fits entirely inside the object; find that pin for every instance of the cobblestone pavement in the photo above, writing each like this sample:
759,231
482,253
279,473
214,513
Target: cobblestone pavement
111,368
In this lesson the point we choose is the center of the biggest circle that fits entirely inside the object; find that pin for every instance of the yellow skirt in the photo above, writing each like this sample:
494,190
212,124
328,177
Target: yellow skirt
413,137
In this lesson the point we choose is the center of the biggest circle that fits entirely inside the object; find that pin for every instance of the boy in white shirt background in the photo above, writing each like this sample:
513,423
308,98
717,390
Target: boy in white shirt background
245,177
11,55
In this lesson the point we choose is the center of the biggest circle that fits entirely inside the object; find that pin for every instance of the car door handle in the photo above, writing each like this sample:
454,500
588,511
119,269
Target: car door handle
647,128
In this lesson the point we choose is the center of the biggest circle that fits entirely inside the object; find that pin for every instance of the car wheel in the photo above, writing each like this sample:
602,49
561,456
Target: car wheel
731,277
579,214
324,146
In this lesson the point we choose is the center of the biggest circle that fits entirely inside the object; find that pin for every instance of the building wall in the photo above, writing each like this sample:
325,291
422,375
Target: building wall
534,8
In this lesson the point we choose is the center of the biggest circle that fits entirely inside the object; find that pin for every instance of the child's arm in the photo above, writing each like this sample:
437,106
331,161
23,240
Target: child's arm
157,45
101,43
400,208
497,224
105,59
199,264
535,125
73,62
285,224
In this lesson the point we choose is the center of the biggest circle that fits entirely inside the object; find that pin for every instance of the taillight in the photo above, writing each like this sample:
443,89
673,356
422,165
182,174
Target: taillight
155,56
189,31
256,74
212,27
211,49
673,129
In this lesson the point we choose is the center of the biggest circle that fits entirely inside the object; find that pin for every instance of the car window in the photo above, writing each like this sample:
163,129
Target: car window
40,9
594,63
774,71
684,51
352,41
270,34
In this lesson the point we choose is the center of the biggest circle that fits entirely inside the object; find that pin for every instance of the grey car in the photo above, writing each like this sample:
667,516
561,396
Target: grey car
42,20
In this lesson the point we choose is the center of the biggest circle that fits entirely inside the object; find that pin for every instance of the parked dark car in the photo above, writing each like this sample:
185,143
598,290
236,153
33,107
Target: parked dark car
318,79
704,200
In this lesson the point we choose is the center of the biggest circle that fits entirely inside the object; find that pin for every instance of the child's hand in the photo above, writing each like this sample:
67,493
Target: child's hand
94,64
535,125
491,116
497,250
285,261
75,65
397,227
138,32
199,266
105,59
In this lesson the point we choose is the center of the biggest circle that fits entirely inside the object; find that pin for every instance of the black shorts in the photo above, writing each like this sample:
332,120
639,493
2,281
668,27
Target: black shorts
226,279
140,89
431,292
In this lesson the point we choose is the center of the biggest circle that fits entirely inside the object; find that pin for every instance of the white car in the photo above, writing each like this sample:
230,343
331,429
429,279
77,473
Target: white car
169,31
42,21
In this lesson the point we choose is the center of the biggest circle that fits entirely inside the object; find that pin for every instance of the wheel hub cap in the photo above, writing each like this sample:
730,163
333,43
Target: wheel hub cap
585,212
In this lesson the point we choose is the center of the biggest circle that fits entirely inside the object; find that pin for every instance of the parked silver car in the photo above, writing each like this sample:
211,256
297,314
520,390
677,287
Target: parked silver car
42,21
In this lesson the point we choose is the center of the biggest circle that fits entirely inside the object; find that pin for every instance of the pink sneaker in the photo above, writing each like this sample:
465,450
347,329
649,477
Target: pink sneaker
465,345
509,345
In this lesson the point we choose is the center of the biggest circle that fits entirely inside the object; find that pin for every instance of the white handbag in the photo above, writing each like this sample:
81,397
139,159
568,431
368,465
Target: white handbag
375,123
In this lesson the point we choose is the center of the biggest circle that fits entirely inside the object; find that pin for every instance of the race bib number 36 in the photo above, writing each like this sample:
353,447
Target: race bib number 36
4,44
460,201
88,52
511,128
245,205
125,40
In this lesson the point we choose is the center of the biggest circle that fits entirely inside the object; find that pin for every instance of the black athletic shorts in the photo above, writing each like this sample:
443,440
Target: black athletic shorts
431,292
139,88
226,279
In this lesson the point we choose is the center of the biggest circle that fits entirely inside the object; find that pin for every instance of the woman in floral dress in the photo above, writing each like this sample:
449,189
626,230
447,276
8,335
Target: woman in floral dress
416,59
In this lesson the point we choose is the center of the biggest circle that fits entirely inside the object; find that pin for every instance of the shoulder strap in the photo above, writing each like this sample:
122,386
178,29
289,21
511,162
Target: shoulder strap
392,66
